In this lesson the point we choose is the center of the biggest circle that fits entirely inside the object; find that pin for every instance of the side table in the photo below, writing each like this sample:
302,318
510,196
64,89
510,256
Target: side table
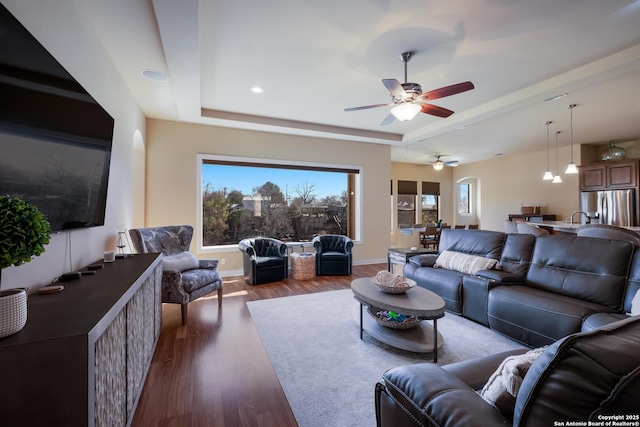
398,257
303,265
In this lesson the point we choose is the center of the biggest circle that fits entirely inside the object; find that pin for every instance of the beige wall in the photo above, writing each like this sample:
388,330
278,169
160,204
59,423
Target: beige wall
61,28
506,183
172,177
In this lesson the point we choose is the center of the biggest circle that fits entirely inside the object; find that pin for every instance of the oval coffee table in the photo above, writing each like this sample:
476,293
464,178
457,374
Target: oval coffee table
417,301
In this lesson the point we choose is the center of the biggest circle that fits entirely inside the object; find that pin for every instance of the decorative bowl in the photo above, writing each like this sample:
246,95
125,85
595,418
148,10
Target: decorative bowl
392,284
390,319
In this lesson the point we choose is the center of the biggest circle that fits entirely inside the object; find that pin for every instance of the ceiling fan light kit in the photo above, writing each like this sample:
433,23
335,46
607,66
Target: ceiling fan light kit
438,165
405,112
408,99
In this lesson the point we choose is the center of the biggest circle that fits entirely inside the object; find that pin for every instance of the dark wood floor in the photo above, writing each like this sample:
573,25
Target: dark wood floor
214,371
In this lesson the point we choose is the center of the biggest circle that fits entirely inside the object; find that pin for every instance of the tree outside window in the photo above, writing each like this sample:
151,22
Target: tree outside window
294,203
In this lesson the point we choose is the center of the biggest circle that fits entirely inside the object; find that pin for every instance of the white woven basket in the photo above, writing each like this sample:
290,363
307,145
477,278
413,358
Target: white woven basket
391,283
13,311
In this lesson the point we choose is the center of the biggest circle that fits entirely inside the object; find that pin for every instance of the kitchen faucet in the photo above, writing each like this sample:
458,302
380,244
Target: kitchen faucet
580,212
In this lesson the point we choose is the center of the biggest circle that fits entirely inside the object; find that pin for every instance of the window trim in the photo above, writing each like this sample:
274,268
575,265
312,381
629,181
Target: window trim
202,159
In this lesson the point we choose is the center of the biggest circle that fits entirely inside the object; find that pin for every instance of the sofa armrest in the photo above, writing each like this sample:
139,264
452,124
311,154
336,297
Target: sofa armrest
208,264
476,372
427,260
500,276
433,396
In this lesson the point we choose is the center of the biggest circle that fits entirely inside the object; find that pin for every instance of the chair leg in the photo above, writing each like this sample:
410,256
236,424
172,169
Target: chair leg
183,308
220,297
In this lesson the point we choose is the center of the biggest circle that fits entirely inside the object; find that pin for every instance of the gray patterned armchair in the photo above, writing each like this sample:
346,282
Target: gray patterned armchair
184,277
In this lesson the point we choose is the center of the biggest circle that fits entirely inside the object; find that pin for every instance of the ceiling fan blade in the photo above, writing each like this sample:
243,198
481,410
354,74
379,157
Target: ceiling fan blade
366,107
388,120
434,110
447,91
395,88
451,164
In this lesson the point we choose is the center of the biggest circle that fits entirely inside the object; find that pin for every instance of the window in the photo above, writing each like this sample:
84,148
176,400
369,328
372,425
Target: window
406,203
464,206
430,202
242,198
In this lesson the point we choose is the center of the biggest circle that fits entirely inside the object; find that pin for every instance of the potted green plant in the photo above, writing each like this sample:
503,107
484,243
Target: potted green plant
438,223
24,231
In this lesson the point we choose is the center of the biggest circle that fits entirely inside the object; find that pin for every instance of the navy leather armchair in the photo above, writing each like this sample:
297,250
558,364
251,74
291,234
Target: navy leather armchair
264,260
333,255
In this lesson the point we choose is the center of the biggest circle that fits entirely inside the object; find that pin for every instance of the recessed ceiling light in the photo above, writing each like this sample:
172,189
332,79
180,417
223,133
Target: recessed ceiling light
154,75
256,89
553,98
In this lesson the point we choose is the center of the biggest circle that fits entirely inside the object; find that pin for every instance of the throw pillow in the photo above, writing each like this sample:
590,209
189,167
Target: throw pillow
182,262
502,388
464,263
635,304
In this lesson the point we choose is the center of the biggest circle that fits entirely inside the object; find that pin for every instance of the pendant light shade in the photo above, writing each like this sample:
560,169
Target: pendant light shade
557,179
571,168
406,111
548,176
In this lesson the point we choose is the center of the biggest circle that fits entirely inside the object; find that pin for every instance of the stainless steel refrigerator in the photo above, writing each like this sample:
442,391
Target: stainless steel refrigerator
614,207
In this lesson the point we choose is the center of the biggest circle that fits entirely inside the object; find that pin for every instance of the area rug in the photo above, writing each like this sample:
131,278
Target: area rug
328,374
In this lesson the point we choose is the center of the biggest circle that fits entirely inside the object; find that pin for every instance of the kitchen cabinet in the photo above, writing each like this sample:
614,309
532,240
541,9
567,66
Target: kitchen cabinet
609,175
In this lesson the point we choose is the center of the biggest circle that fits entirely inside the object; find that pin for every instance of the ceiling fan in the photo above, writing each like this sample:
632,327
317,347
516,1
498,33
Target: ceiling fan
439,164
409,99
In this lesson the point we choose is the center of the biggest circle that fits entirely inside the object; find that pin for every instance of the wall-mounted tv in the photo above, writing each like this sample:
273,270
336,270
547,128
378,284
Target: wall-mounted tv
55,139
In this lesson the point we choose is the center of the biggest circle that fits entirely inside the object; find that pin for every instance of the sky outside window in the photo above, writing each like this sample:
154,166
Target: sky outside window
245,178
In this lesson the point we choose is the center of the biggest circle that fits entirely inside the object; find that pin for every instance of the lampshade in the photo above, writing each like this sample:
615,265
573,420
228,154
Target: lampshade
548,176
406,111
438,165
572,166
556,179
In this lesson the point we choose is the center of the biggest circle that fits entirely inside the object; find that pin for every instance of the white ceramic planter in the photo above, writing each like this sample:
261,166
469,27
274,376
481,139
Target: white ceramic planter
13,311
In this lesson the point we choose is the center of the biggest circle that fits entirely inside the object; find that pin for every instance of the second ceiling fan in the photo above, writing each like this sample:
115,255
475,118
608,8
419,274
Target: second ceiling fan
439,164
409,99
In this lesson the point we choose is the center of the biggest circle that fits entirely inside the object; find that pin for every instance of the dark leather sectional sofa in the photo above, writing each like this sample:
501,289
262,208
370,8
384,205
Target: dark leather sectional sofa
568,292
547,287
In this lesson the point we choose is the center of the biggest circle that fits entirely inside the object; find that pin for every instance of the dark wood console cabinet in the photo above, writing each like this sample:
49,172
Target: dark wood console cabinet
83,356
609,175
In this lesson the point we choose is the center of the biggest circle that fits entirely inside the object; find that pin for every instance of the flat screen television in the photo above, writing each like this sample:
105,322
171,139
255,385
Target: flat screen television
55,139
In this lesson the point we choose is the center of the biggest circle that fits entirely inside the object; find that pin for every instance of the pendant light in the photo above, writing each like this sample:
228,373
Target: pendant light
557,179
548,176
572,166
